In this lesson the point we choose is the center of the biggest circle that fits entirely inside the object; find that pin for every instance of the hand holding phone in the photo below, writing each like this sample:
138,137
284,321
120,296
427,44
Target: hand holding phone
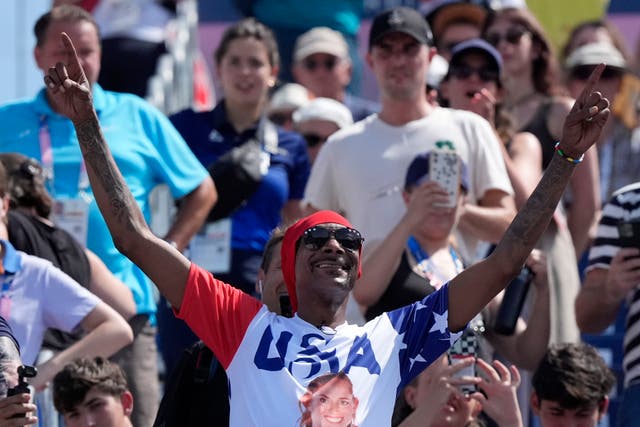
444,168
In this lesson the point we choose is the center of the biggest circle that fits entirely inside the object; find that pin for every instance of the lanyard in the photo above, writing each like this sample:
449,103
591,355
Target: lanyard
46,156
428,267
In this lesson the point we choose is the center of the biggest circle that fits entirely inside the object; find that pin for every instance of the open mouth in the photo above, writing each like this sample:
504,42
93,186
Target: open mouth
470,94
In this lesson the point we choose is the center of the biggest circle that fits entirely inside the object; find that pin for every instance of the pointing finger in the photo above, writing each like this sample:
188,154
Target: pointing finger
590,85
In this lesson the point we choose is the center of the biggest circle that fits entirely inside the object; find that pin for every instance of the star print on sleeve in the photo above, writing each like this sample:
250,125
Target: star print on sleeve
423,329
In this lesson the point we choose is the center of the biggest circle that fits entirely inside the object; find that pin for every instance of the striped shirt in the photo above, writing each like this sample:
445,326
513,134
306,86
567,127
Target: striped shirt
624,206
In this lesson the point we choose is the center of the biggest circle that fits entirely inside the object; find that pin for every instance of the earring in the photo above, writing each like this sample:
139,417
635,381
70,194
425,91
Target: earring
260,285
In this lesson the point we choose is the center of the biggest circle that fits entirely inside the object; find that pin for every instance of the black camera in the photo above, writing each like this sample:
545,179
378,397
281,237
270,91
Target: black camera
23,386
512,302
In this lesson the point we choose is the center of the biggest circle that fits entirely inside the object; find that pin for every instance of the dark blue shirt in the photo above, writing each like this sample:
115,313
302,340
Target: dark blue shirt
209,135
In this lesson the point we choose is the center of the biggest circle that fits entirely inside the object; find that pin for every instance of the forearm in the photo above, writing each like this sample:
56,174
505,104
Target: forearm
485,223
380,265
580,219
595,308
194,209
532,343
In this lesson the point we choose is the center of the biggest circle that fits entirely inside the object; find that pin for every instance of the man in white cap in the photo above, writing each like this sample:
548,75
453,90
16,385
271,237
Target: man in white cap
318,120
321,63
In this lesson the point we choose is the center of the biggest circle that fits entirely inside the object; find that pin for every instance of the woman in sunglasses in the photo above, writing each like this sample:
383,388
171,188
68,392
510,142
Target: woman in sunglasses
532,97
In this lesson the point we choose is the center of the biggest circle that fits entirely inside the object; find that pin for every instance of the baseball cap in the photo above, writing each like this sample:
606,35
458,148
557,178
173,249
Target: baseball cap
400,20
289,96
594,54
320,40
324,109
456,11
477,45
418,172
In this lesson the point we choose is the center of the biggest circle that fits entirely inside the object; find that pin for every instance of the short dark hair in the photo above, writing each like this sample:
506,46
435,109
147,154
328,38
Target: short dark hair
62,13
26,183
73,382
573,375
267,255
249,27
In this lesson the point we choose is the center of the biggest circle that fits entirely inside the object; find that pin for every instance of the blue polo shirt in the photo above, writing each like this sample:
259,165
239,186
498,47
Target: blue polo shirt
210,135
146,148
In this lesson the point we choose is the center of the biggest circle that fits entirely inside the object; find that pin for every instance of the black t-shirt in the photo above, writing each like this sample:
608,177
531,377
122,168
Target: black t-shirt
406,287
32,236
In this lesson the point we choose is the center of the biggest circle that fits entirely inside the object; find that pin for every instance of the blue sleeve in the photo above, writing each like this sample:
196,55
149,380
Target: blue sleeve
425,333
176,164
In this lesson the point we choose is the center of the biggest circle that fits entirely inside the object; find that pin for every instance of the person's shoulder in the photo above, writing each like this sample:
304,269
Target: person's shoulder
355,133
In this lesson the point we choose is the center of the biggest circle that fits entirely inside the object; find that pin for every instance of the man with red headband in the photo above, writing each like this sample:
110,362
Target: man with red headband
271,359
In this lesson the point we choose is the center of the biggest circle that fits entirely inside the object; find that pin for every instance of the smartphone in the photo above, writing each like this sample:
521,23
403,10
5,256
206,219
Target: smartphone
629,233
465,347
444,168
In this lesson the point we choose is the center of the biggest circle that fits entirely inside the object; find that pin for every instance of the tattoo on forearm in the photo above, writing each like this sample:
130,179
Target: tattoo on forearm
120,201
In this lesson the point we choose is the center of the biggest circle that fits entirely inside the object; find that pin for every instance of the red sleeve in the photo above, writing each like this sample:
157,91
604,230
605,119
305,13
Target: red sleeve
218,313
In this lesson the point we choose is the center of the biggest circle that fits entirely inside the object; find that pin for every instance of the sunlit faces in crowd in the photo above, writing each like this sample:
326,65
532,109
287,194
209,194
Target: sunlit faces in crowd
329,402
245,71
515,44
585,58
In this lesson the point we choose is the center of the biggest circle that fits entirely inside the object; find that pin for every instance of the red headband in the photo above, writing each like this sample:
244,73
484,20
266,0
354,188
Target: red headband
288,250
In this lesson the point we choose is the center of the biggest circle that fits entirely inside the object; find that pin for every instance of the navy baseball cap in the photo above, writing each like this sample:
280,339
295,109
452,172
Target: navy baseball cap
400,20
477,45
418,172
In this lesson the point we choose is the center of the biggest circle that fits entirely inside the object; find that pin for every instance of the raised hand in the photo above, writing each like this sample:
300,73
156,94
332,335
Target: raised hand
68,89
427,199
499,400
585,121
18,406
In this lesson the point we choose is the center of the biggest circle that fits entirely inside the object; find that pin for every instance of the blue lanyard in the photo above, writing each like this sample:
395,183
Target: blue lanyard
427,265
7,280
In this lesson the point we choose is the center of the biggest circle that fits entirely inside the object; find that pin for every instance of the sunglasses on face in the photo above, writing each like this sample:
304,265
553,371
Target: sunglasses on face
512,36
316,237
314,139
582,72
464,71
312,64
280,119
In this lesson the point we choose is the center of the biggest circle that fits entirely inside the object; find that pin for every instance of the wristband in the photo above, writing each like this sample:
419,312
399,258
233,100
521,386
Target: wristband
562,154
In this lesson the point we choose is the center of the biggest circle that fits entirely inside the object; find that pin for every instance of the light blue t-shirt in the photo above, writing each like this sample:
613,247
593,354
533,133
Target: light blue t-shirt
146,147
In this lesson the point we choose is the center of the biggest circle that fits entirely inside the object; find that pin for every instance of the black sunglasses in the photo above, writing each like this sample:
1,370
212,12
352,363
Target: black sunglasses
464,71
315,238
313,139
280,119
582,72
512,36
312,64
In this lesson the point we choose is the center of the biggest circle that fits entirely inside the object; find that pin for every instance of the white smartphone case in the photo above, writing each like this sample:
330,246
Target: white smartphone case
445,170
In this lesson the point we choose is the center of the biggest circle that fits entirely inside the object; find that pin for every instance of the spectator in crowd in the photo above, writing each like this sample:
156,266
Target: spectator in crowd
320,262
318,120
284,101
611,280
16,410
321,63
532,97
618,143
150,152
419,256
247,65
435,398
530,85
93,392
595,31
571,387
36,296
453,21
346,176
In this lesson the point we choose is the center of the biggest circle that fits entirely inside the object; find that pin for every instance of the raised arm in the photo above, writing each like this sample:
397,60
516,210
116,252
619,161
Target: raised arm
472,289
69,90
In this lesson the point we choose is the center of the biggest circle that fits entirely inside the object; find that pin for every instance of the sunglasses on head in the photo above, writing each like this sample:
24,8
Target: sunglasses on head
315,238
464,71
582,72
313,139
512,36
312,64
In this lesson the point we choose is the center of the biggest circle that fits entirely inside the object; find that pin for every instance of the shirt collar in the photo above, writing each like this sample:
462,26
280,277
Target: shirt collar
11,261
220,121
42,107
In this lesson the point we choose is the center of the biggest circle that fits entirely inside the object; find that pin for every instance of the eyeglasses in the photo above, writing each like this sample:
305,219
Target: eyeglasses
512,36
312,64
582,72
280,119
464,71
314,139
315,238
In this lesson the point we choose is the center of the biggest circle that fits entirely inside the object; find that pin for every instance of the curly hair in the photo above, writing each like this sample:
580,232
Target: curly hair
73,382
26,183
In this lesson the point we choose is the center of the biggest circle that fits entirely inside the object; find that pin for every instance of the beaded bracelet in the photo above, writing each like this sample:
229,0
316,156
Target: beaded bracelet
569,159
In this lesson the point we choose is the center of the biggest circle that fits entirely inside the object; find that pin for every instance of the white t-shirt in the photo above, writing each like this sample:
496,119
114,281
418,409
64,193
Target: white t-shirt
42,296
361,170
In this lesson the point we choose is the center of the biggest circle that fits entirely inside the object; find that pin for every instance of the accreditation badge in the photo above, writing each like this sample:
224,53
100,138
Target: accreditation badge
72,215
210,248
